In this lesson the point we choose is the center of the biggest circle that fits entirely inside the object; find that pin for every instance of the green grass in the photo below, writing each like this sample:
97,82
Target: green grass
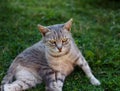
96,30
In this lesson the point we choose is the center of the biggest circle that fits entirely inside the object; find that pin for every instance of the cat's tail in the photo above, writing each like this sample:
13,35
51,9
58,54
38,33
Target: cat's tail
8,78
10,74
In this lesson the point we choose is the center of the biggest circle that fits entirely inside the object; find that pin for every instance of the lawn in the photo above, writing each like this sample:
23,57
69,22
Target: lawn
96,30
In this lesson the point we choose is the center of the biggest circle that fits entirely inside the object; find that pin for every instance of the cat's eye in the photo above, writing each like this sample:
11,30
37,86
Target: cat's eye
65,40
52,41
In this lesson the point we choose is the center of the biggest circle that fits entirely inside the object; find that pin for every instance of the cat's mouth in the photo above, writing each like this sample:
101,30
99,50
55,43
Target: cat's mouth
59,49
59,53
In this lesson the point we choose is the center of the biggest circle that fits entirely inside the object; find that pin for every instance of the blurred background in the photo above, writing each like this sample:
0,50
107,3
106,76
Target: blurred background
96,30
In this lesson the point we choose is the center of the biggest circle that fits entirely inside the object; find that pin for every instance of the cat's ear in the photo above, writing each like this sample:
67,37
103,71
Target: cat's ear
68,24
43,29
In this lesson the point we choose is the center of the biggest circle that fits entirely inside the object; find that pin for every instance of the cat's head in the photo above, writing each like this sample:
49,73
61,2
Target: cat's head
57,37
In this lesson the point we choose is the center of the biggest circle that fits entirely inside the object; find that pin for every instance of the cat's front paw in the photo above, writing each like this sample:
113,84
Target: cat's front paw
94,81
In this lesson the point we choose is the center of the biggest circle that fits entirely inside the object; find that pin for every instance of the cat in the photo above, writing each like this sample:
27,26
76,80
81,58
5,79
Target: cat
50,61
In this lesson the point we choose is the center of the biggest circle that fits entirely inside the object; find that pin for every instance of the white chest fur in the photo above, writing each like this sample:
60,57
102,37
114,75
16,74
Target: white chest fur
65,63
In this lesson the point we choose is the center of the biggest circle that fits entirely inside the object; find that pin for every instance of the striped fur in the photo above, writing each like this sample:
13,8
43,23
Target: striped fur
50,60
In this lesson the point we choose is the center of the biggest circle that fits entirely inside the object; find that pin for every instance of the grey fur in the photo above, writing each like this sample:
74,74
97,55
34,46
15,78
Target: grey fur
44,61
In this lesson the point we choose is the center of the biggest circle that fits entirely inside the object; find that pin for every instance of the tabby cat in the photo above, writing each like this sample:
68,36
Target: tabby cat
50,60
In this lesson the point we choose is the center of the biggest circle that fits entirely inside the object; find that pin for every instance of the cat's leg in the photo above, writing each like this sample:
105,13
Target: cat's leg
24,80
85,67
54,82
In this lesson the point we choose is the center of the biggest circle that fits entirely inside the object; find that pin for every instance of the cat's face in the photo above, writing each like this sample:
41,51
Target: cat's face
57,37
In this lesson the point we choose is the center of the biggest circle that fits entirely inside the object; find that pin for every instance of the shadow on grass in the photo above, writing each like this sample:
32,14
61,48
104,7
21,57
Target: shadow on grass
103,4
108,4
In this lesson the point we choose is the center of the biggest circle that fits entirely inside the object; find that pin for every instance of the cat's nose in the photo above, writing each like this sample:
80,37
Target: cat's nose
60,49
59,46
